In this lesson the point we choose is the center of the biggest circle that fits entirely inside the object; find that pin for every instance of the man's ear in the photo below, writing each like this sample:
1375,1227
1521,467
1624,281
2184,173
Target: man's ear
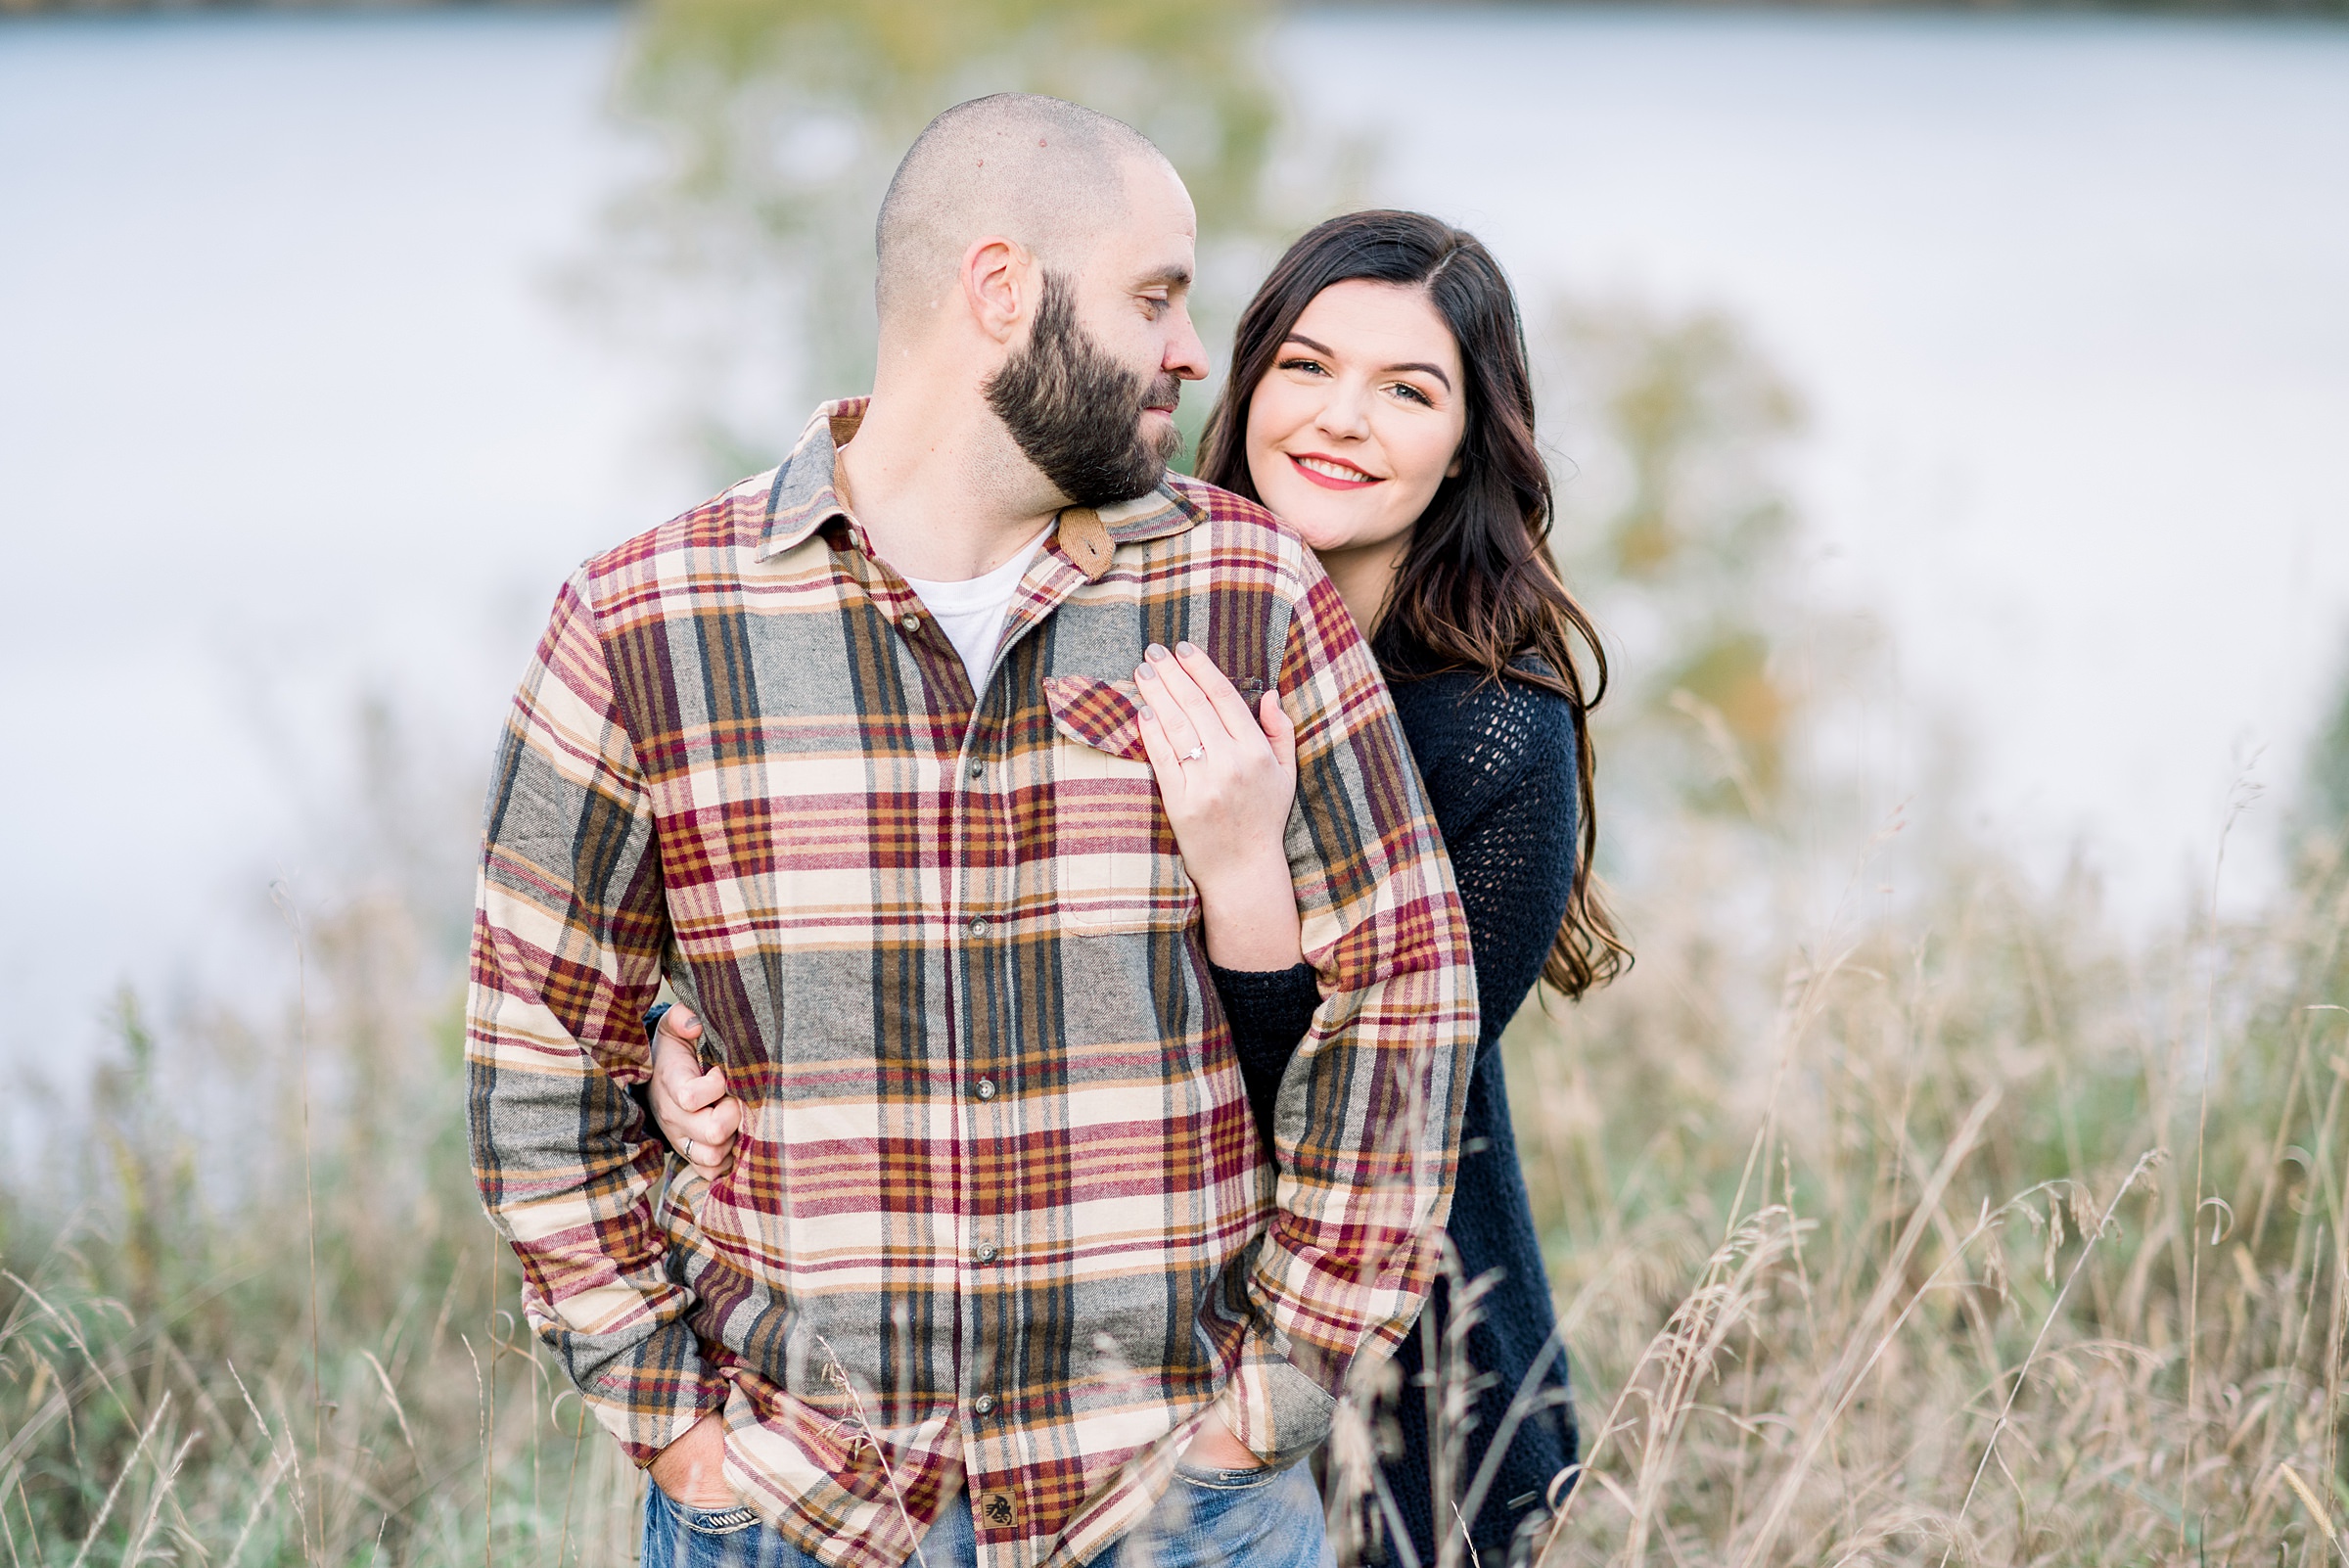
999,280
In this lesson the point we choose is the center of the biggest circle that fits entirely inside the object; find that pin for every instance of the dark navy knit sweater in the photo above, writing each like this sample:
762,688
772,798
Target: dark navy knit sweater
1497,758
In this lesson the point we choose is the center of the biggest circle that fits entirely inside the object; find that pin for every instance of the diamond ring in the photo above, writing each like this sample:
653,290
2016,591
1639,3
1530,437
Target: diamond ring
1195,754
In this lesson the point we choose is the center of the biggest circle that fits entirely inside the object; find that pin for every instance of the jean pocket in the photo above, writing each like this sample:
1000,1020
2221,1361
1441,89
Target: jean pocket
718,1521
732,1521
1213,1480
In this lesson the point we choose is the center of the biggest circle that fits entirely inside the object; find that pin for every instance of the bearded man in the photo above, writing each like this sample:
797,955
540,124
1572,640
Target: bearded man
999,1269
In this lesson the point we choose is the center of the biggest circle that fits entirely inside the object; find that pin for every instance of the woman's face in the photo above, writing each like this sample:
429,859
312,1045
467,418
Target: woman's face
1360,419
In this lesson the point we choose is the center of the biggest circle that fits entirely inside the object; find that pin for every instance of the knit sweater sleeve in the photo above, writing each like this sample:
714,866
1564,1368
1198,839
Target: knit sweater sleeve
1511,834
1498,761
1268,1011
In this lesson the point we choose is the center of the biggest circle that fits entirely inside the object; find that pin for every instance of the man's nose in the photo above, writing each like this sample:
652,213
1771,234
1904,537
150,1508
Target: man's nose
1187,356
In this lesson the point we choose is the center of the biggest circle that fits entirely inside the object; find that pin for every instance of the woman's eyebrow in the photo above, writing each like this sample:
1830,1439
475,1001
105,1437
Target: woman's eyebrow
1435,371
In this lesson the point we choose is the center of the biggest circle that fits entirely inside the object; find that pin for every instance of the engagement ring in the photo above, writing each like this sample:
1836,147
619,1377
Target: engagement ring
1195,754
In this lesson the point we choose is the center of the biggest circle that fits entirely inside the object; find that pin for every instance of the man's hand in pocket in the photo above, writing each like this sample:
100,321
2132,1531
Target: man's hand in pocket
692,1470
1213,1448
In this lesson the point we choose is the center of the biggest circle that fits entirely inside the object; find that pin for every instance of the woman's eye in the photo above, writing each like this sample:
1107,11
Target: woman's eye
1411,394
1311,366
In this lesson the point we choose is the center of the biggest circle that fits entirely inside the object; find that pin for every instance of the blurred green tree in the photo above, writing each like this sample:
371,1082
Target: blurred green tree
1675,521
745,249
2324,792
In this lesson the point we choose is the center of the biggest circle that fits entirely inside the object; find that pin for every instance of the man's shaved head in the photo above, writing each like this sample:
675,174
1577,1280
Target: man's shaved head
1044,174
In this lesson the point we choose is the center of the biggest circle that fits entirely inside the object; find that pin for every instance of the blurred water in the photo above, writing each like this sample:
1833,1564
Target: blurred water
289,413
291,409
2069,297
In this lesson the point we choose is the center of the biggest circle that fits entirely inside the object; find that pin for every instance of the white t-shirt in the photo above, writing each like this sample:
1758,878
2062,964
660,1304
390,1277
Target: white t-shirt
971,611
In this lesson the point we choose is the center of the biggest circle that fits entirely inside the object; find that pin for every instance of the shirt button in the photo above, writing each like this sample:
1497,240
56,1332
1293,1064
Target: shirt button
911,622
978,924
987,1251
982,1404
986,1089
978,768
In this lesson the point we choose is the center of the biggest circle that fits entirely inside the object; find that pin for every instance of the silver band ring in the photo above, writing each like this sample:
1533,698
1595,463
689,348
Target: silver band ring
1195,754
689,1150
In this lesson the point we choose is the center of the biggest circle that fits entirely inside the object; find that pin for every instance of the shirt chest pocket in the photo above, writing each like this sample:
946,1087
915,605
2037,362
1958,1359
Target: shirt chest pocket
1116,867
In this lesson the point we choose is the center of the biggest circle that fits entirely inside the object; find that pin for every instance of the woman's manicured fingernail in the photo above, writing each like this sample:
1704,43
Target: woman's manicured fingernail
1186,649
1146,713
1144,672
1154,652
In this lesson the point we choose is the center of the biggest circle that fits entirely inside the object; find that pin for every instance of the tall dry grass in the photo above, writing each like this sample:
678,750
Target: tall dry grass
2009,1244
255,1316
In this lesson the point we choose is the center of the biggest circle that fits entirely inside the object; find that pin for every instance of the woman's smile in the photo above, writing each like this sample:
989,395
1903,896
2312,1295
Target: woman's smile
1331,473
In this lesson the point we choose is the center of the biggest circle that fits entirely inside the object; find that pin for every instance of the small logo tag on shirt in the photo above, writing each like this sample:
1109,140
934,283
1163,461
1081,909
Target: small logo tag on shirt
998,1510
1086,537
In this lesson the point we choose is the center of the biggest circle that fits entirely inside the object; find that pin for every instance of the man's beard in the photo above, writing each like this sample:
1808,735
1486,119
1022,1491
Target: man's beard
1076,413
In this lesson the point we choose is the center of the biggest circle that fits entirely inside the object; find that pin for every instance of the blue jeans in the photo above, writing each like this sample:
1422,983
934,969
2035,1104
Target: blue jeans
1207,1518
1266,1519
678,1535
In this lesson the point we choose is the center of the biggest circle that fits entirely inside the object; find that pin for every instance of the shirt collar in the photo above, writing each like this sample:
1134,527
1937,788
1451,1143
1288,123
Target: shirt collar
804,496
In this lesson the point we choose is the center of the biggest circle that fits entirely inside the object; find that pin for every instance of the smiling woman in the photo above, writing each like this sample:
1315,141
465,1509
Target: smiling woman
1360,434
1386,349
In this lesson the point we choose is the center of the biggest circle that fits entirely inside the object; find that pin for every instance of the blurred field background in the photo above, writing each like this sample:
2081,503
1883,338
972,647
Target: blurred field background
1948,411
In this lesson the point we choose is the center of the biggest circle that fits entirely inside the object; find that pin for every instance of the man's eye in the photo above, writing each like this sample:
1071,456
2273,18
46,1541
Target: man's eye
1156,306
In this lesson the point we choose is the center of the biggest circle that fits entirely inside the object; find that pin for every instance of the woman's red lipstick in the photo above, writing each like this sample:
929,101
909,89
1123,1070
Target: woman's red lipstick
1327,481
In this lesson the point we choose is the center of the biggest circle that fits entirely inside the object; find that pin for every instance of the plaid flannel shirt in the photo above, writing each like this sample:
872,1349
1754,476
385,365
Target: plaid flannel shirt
1000,1214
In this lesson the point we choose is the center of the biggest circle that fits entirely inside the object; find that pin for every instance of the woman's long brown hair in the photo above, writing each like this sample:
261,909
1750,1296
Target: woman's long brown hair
1476,587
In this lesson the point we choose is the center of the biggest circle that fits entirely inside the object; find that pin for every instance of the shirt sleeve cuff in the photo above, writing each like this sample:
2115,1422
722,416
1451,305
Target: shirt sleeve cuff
1278,1414
650,1399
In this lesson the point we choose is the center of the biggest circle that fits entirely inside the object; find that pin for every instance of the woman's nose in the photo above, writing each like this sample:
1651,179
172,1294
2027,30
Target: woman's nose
1346,413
